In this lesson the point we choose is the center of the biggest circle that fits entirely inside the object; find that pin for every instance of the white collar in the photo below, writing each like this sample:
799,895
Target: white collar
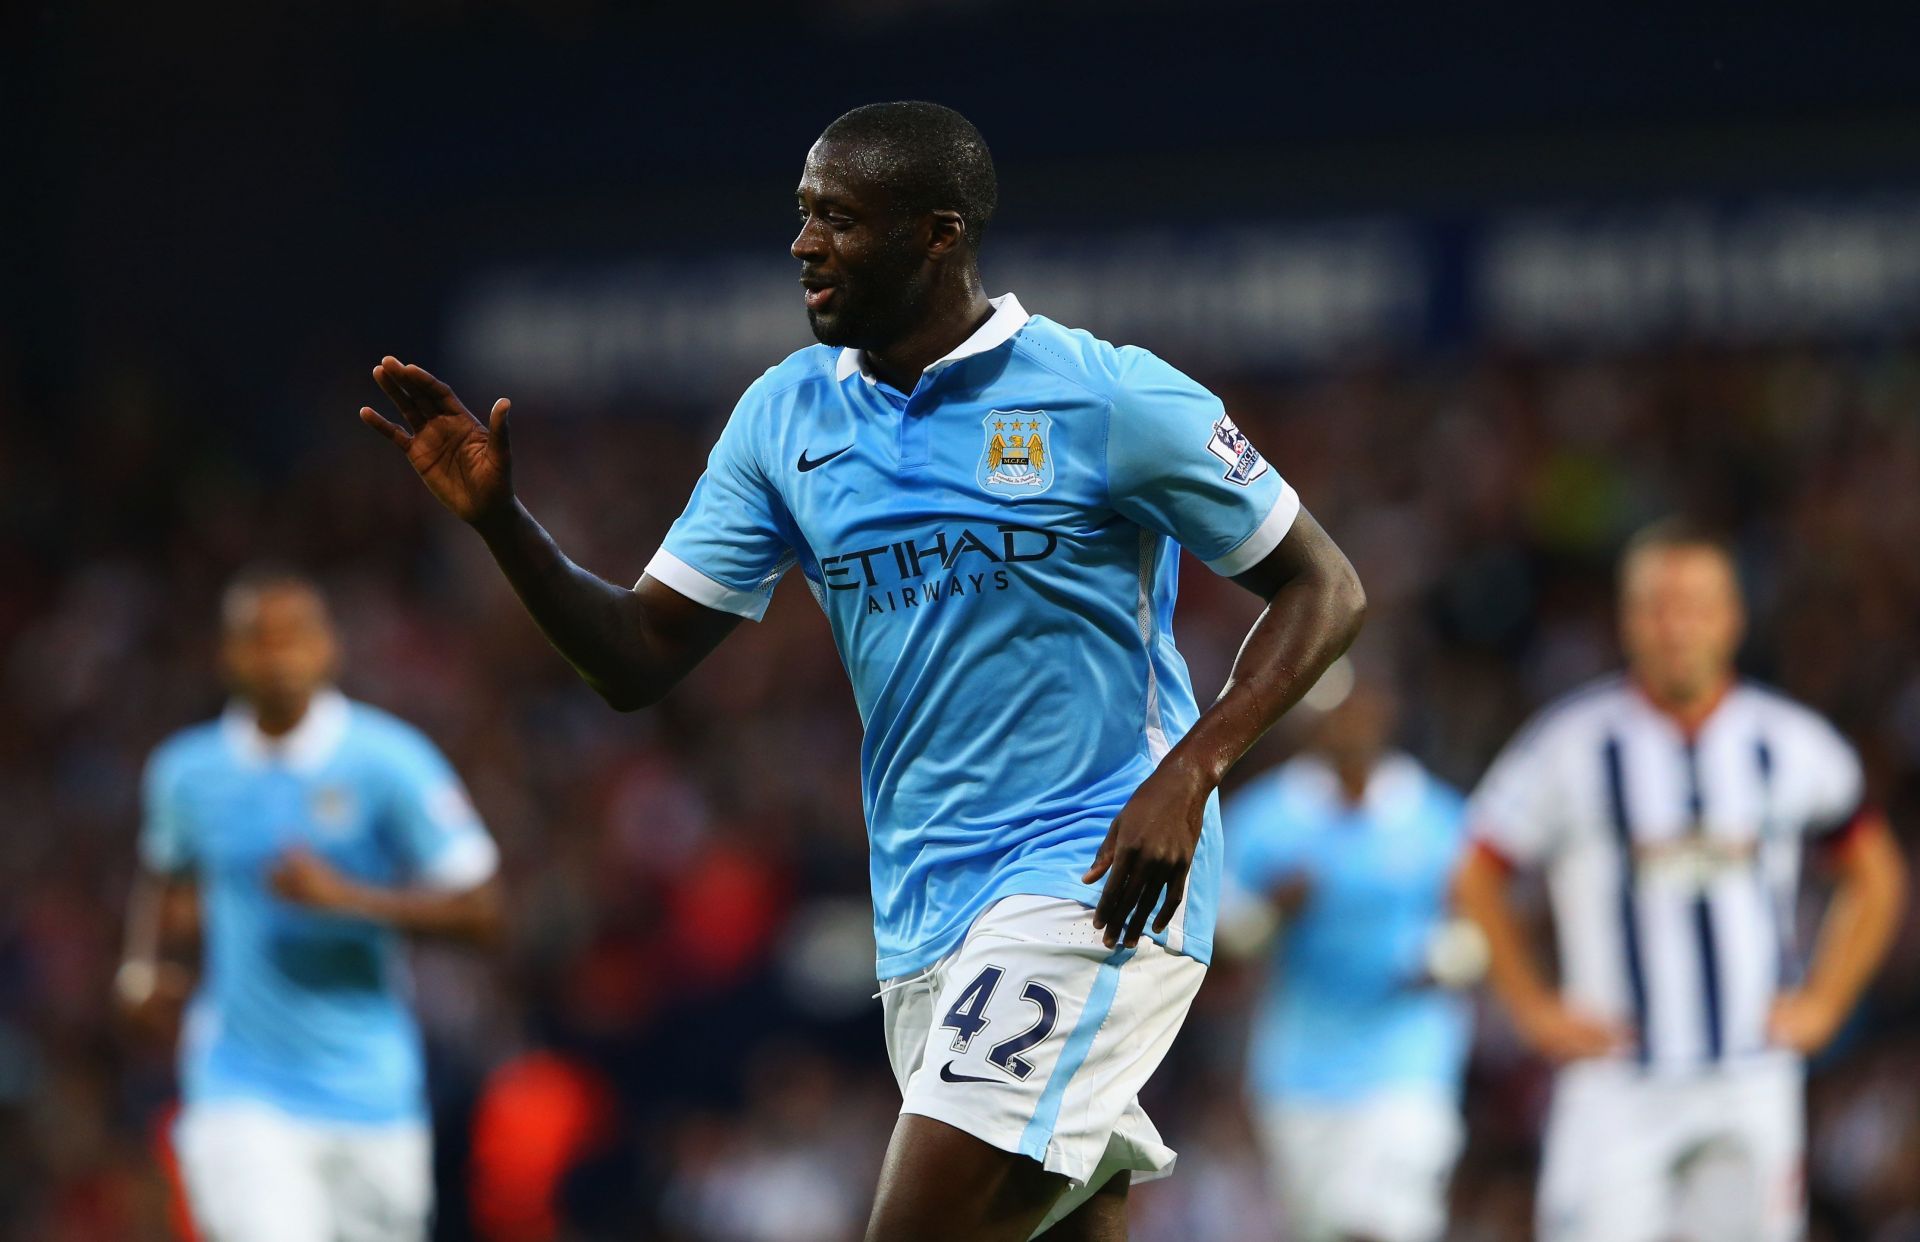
1008,318
305,748
1394,787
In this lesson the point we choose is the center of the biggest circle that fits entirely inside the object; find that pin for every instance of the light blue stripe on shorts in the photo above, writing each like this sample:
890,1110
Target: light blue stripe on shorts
1039,1131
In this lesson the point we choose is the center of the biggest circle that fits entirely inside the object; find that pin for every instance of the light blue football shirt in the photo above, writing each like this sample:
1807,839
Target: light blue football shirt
303,1010
994,552
1340,1019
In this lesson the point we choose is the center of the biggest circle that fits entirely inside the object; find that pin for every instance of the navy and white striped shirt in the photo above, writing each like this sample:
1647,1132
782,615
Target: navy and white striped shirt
1672,860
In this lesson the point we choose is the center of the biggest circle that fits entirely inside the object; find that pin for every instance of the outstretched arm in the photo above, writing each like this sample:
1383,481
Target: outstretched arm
1314,608
631,646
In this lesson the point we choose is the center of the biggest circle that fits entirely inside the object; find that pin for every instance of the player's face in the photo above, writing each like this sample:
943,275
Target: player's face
1359,729
279,647
1681,620
862,261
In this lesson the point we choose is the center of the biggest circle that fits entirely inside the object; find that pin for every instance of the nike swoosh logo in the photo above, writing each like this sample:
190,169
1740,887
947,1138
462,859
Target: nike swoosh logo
817,462
947,1075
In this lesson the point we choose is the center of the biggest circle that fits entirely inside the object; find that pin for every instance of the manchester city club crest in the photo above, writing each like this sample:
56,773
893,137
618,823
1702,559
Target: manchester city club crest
1017,457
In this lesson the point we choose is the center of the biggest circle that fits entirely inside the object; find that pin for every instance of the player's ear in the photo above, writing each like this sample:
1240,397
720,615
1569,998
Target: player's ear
948,234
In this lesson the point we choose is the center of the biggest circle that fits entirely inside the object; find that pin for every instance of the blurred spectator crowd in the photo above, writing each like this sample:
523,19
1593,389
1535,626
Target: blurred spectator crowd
679,1040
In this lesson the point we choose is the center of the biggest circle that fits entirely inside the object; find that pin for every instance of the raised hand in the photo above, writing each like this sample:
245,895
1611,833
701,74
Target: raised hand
465,464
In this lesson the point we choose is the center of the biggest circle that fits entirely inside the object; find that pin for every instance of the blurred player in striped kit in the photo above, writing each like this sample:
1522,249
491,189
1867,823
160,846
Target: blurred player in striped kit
1669,808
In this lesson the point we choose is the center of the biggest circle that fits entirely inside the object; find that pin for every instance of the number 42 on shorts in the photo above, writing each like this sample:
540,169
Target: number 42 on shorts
968,1018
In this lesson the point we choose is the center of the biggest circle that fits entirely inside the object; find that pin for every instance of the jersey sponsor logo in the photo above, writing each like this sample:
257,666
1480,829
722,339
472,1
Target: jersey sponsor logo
1017,455
1692,863
933,569
1230,445
806,463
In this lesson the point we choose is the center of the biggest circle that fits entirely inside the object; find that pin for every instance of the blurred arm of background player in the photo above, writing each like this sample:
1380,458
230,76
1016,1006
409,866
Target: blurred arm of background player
1870,888
472,915
630,645
1854,937
163,933
156,975
1548,1024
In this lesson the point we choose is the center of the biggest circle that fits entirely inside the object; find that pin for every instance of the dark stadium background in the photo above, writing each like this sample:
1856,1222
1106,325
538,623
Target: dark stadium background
1518,283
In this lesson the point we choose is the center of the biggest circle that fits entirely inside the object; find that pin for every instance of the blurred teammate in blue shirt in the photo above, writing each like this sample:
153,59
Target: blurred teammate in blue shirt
1356,1055
303,834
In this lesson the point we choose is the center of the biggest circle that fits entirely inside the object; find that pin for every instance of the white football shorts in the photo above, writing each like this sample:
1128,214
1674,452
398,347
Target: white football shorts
256,1174
1374,1168
1036,1038
1714,1156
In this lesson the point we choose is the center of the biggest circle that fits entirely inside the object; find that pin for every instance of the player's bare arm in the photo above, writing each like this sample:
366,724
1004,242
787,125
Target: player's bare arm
155,978
1859,926
1315,605
472,915
630,645
1548,1025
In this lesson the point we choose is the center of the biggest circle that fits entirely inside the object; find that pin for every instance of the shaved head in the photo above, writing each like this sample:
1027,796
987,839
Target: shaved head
928,157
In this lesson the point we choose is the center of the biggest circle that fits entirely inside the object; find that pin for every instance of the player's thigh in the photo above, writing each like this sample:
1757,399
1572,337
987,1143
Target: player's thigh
1375,1168
252,1174
1609,1144
1101,1217
380,1179
1403,1145
1770,1102
1039,1039
941,1184
1303,1144
1034,1038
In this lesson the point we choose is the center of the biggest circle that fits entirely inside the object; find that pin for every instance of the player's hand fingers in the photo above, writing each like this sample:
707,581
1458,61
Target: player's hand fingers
1139,878
391,430
387,375
1102,862
433,393
1122,889
1143,906
1176,893
497,428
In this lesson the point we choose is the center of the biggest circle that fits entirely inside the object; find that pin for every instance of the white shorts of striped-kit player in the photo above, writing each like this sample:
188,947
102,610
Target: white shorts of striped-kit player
1374,1168
1036,1038
256,1174
1711,1156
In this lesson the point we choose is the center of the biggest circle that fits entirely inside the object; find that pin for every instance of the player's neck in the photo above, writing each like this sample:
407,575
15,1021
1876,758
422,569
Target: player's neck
1689,709
1355,774
276,720
955,315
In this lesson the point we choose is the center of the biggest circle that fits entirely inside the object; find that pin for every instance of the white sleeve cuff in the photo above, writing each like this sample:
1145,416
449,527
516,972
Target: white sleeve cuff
1265,537
468,862
698,587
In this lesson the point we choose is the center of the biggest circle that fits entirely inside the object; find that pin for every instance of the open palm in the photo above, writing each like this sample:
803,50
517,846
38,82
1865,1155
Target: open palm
465,463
